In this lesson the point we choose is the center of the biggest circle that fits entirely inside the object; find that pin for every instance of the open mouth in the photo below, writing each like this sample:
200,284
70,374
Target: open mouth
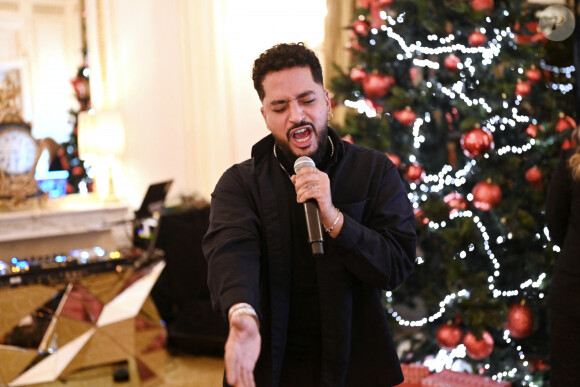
302,136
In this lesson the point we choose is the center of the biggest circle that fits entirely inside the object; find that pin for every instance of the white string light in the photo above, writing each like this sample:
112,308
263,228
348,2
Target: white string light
418,137
362,107
491,279
567,71
561,87
457,87
487,53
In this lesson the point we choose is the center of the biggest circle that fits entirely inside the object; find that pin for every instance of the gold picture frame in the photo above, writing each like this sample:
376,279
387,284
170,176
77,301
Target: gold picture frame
14,96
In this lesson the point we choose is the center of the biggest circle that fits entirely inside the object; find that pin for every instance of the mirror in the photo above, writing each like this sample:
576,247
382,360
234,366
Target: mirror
41,47
42,53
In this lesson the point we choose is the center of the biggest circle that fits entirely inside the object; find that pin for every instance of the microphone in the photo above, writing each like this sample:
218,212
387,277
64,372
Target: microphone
313,224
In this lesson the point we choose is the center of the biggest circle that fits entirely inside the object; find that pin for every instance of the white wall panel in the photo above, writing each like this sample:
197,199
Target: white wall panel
146,56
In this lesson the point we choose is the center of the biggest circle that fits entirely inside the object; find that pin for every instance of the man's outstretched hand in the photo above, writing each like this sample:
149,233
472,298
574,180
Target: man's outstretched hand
242,350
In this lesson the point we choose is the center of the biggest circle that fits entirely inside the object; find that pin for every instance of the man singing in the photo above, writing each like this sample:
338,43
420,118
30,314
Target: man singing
296,318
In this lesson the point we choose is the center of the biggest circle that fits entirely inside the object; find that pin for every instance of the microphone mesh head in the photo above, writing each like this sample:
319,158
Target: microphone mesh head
302,162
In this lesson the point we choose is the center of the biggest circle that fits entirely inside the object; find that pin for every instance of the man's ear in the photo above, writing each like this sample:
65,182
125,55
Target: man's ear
265,119
327,99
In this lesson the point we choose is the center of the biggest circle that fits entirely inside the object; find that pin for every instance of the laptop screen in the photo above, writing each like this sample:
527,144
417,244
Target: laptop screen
153,200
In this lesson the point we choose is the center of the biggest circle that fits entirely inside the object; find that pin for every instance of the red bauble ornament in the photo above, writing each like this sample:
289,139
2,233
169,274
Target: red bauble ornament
418,212
534,176
449,119
380,3
395,159
478,349
82,91
531,34
348,138
416,76
77,170
377,85
476,141
377,107
357,74
477,39
538,365
414,173
486,195
353,46
405,116
361,27
565,122
533,74
449,336
523,88
524,35
523,39
451,61
69,188
419,217
64,163
539,37
532,130
481,5
82,88
567,144
333,101
456,201
520,322
376,21
385,3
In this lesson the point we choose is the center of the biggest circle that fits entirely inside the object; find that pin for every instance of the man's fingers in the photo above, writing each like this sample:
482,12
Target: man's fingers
247,378
231,364
241,351
251,378
231,375
243,378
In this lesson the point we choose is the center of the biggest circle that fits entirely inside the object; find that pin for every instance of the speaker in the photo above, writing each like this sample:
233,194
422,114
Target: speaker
181,293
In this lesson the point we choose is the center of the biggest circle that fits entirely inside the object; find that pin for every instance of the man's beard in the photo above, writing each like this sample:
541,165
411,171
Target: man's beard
318,156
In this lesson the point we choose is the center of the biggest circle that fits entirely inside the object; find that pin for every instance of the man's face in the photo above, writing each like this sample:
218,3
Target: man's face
296,110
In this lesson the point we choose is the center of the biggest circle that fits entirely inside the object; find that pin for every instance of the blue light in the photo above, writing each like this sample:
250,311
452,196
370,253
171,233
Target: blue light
22,264
99,251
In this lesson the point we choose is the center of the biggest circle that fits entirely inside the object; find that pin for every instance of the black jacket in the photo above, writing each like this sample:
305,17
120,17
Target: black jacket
249,260
563,218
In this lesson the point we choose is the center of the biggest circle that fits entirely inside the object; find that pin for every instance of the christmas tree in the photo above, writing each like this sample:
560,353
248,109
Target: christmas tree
462,97
68,153
78,180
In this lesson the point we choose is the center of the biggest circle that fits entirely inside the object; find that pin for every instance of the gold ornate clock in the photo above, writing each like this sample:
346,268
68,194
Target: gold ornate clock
18,149
19,153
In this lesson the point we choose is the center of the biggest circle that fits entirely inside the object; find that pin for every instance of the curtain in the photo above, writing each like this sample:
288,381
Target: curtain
338,18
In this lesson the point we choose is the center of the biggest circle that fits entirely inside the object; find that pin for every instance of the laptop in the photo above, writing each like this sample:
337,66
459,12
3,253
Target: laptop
153,200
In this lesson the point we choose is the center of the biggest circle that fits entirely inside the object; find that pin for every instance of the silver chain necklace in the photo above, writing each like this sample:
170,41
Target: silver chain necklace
284,169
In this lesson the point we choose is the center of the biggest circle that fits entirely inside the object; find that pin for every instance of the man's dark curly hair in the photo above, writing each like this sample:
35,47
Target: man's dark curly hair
283,56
